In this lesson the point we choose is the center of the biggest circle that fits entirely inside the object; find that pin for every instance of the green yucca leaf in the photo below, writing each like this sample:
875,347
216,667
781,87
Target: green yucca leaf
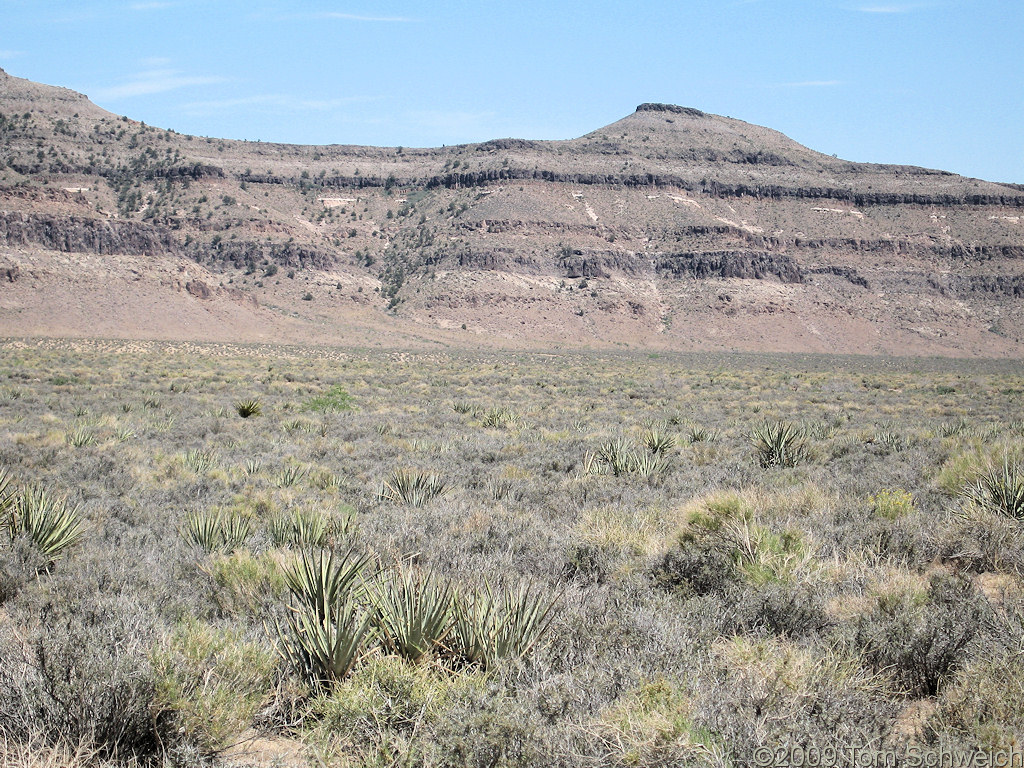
234,531
412,613
617,454
489,627
289,476
8,498
499,417
80,437
702,435
322,580
647,464
999,490
300,528
199,461
322,648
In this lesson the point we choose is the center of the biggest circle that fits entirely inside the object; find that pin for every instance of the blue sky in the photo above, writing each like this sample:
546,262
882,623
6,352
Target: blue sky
938,83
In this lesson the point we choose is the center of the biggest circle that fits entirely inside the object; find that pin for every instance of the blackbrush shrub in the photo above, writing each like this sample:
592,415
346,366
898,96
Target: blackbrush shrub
922,639
703,567
774,691
84,675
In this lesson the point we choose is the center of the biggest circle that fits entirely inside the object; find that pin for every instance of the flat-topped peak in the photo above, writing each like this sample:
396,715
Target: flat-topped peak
655,107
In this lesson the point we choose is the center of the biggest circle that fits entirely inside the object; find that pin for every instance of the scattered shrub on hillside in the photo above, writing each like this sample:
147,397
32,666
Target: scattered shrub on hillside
892,504
335,399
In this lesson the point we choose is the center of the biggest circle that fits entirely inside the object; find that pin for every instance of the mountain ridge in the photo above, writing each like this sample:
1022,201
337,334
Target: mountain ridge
670,228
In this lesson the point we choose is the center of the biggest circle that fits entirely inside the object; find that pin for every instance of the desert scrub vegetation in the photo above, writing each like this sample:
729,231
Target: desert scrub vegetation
483,559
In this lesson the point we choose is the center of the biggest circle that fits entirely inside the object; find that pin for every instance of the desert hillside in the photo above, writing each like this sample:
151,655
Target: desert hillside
668,229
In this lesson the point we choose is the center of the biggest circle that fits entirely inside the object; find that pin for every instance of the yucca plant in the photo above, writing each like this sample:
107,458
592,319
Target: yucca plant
618,455
252,466
164,425
648,464
327,481
889,439
952,428
498,417
247,408
412,612
462,407
702,435
658,441
289,476
8,497
500,488
80,437
412,486
778,444
592,464
204,530
9,395
216,530
199,461
489,627
234,531
323,580
322,648
1000,490
47,520
124,434
302,528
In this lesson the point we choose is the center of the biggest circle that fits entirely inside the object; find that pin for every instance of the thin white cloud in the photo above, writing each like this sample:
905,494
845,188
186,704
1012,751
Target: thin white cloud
153,81
273,100
357,17
10,54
